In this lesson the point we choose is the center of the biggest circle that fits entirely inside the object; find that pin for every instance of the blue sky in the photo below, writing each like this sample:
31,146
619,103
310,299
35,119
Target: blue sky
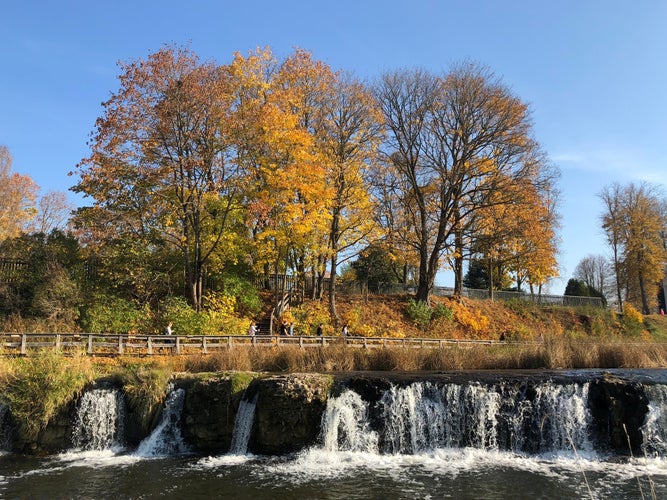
593,71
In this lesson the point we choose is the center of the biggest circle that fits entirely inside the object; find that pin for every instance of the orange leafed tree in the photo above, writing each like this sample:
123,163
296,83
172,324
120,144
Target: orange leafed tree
635,223
17,198
159,167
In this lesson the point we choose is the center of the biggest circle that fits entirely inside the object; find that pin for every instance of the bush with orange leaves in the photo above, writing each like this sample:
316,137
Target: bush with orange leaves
471,319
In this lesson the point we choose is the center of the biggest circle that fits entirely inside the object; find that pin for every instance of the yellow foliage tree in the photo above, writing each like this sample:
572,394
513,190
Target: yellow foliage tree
17,198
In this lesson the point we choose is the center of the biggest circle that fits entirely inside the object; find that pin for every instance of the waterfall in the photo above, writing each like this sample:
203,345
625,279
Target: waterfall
166,438
345,425
563,415
425,416
245,416
98,423
654,430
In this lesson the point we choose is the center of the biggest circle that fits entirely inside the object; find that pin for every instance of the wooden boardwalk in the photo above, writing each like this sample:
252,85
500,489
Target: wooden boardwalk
99,344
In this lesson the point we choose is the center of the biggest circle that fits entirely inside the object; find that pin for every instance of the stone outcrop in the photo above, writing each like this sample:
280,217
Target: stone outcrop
209,410
289,412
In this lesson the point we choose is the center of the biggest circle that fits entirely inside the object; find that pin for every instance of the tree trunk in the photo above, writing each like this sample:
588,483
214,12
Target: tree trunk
332,288
617,272
646,309
490,271
458,259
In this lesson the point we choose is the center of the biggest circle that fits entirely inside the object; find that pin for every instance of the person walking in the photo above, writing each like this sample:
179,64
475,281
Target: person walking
345,331
318,332
252,331
168,331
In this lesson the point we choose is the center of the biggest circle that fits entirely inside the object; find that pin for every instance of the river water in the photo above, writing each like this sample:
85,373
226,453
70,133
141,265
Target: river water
454,441
319,474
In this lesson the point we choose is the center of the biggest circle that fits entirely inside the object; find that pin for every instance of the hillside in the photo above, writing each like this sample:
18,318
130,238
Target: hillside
387,315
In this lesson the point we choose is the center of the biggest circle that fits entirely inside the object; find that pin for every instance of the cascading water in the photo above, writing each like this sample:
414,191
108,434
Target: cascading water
654,430
423,416
99,420
245,416
345,425
166,438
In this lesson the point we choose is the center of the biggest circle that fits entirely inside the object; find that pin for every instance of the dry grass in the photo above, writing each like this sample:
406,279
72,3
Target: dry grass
554,353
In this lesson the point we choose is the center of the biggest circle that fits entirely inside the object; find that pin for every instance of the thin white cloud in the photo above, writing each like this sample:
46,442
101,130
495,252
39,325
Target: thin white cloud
617,163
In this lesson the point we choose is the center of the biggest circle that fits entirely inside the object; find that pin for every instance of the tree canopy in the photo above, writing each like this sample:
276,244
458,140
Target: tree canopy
292,167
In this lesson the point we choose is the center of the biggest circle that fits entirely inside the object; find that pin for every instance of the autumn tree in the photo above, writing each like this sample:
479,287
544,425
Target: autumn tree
276,109
392,215
406,99
349,140
305,87
612,225
457,142
481,148
17,198
305,135
159,168
532,255
635,221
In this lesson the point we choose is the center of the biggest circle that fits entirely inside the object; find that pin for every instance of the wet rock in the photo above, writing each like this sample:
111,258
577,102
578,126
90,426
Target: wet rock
289,412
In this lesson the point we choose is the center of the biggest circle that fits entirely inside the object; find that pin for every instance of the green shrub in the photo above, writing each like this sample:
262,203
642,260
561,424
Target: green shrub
248,300
109,314
419,312
442,311
186,321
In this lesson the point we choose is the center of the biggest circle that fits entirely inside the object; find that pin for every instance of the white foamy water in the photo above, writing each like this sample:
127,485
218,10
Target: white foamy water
422,417
166,439
345,425
245,416
654,430
99,419
96,458
418,441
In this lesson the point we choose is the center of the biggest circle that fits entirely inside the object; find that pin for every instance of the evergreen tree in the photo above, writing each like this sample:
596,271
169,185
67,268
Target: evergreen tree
477,276
577,288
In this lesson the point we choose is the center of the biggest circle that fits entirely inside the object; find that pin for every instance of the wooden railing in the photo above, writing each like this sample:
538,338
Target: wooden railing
98,344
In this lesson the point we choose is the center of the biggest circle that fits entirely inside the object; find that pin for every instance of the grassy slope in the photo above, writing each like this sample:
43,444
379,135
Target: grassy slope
485,319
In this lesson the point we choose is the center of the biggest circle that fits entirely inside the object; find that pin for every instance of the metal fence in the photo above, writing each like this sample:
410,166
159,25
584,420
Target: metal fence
356,287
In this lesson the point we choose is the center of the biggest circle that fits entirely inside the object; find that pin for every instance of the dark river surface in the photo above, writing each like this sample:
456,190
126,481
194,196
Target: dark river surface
319,474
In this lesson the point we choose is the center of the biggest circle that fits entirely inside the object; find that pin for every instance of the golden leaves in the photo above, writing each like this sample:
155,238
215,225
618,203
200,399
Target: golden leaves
17,198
